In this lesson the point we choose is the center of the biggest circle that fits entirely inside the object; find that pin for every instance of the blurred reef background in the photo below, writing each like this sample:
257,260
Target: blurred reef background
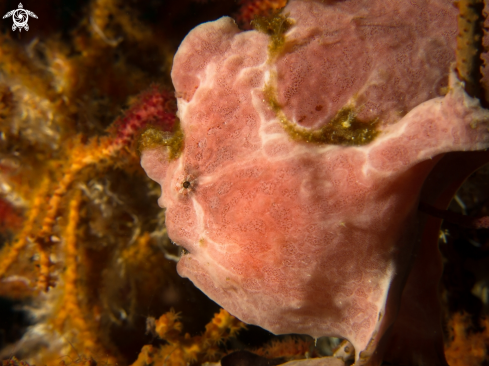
87,272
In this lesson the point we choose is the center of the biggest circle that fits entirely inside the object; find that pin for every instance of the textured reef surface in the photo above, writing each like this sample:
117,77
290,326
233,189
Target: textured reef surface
305,168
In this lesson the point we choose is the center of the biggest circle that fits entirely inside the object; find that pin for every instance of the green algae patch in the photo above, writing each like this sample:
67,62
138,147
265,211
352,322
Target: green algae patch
344,129
271,96
153,137
275,25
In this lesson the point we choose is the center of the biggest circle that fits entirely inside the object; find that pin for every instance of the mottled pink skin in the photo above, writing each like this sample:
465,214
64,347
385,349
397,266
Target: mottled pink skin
389,56
310,238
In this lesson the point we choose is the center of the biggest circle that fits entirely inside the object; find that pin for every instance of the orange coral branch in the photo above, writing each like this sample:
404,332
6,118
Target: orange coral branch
103,10
11,253
290,347
14,362
72,314
185,349
469,44
151,108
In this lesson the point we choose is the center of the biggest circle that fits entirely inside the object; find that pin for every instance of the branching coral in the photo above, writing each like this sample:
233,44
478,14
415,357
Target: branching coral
98,154
469,44
73,312
184,349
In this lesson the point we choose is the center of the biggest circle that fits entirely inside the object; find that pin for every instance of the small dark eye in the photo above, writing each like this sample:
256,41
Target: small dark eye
186,184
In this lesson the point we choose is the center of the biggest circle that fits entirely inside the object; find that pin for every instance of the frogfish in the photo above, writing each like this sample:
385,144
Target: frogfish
305,145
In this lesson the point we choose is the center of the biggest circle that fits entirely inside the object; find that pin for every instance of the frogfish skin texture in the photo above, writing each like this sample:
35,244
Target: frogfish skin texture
294,234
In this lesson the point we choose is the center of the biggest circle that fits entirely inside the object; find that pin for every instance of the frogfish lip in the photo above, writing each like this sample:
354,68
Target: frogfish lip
182,251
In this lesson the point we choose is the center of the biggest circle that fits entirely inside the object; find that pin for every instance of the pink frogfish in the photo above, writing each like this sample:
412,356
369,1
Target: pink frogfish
305,147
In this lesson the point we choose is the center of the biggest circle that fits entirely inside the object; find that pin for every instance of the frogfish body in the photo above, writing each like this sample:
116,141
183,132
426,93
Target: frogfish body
305,150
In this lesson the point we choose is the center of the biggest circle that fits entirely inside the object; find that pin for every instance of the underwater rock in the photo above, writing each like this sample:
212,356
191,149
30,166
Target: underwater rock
306,145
